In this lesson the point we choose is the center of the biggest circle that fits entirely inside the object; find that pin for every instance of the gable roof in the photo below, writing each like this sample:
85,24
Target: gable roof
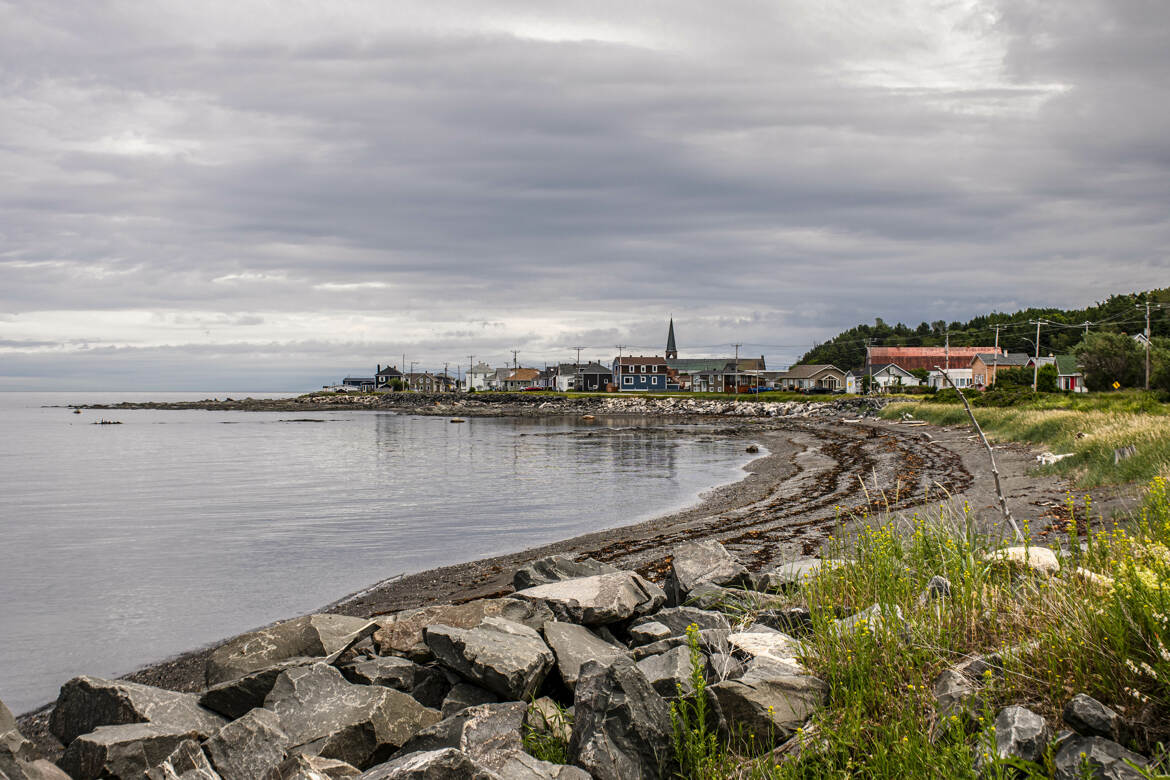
691,365
523,375
639,360
1066,365
890,368
809,371
1012,359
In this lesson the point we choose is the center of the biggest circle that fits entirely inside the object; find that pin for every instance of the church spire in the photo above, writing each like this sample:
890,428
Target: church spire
671,349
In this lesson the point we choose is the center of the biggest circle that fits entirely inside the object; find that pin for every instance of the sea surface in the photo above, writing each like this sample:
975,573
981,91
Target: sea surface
125,544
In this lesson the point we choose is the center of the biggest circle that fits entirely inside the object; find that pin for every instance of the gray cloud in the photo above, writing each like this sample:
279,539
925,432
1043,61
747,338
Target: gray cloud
175,179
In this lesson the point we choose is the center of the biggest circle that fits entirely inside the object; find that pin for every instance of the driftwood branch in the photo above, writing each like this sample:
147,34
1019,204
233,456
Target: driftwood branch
1003,505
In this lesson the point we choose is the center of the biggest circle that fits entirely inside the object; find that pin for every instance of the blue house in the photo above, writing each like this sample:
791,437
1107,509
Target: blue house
643,374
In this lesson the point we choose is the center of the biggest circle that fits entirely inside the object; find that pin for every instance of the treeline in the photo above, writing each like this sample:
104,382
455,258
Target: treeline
1117,314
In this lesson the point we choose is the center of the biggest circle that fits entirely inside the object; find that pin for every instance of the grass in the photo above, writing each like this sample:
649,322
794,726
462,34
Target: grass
1108,636
1090,427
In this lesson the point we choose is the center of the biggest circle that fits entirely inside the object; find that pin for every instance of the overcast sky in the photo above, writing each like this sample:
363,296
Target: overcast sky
271,195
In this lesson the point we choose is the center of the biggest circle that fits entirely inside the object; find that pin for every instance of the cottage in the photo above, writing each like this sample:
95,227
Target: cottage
520,378
960,376
1068,375
985,367
824,376
890,375
640,374
479,375
387,377
363,383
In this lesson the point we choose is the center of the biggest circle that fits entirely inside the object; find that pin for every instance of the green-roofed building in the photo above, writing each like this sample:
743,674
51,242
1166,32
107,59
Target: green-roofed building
1068,375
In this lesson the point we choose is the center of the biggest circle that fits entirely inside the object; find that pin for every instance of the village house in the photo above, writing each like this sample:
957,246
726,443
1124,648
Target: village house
478,375
385,377
642,374
825,376
929,358
985,367
520,378
582,377
1068,375
890,375
960,376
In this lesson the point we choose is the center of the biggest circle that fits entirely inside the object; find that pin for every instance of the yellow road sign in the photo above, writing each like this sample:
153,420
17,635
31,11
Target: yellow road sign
1117,385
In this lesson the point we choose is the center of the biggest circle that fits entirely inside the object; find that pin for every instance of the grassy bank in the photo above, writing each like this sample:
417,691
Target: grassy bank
1106,634
1091,427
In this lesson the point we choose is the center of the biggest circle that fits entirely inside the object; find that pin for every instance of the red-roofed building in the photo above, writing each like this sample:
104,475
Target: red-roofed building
910,358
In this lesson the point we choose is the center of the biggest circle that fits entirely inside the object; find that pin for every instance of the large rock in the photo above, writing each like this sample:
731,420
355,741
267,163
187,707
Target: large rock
305,767
735,601
428,685
573,645
477,731
767,701
955,695
597,600
773,646
621,727
519,765
557,568
678,619
874,620
235,698
1021,733
465,695
18,758
711,640
645,633
88,702
1040,560
311,635
249,747
505,657
1105,760
122,752
670,672
444,764
358,724
186,762
1090,718
402,632
791,575
701,563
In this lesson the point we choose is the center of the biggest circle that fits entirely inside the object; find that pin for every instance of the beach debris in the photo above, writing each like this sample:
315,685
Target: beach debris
458,420
621,725
506,657
77,411
104,421
1048,458
1124,453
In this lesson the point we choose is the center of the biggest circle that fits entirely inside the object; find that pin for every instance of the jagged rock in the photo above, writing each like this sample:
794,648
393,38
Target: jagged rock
701,563
778,648
18,758
88,702
402,632
997,662
1090,718
791,575
644,633
711,640
724,666
954,694
358,724
678,619
1105,758
466,695
235,698
505,657
122,752
621,727
573,645
445,764
767,701
734,600
557,568
1039,559
521,766
186,762
249,747
427,685
937,588
1020,733
791,620
546,716
488,734
600,599
874,619
311,635
670,671
303,767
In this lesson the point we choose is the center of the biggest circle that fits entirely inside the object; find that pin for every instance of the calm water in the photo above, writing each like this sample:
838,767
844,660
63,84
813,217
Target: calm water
124,544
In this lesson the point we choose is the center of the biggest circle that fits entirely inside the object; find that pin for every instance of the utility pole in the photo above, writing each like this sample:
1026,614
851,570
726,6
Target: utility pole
618,378
869,363
1147,342
577,378
735,376
515,365
995,358
948,349
410,376
470,370
446,378
1036,361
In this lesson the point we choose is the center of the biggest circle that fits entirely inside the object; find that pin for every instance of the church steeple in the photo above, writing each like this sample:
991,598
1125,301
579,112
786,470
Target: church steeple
671,349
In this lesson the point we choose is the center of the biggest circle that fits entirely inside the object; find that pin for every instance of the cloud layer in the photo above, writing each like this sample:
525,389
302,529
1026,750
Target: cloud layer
271,195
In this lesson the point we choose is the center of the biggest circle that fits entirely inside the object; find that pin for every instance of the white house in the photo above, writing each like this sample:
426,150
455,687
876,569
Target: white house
478,376
891,375
962,377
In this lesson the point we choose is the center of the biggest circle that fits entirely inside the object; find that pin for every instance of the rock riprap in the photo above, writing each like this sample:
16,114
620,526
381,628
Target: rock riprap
505,657
599,599
312,636
85,703
701,563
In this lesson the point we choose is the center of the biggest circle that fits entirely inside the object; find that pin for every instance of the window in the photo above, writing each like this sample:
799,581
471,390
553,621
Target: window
629,380
654,369
643,368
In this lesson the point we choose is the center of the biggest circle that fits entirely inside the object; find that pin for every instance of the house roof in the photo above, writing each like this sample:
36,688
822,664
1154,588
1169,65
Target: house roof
640,360
691,365
523,375
809,371
888,368
595,368
1066,365
389,371
1012,359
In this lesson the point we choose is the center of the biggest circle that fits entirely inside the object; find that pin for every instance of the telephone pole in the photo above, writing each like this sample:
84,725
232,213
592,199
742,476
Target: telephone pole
995,359
618,379
577,378
515,365
470,370
446,379
735,379
1036,361
1147,342
948,349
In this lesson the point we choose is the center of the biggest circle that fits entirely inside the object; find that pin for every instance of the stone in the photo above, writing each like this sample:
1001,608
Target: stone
678,619
186,762
1090,718
444,764
711,640
670,671
546,716
767,701
938,588
486,733
705,562
18,757
644,633
304,767
234,698
311,635
248,747
954,694
519,765
1100,581
1105,758
122,752
358,724
88,702
780,649
730,600
466,695
557,568
1040,560
621,726
792,575
724,666
505,657
573,645
402,632
428,685
597,600
874,619
790,620
1021,733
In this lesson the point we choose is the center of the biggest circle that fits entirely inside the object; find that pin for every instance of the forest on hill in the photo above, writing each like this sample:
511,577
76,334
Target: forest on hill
1063,331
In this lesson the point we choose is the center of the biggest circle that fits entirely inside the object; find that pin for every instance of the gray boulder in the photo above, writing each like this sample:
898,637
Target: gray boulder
311,635
645,633
730,600
444,764
306,767
669,672
773,646
621,727
186,762
466,695
88,702
1090,718
428,685
235,698
791,620
249,747
767,701
724,666
701,563
557,568
402,632
505,657
874,619
955,694
519,765
791,575
597,600
358,724
938,588
1021,733
711,640
1104,759
573,645
18,758
122,752
488,734
678,619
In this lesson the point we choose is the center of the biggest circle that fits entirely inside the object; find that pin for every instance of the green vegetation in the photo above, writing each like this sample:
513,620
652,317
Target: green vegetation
1099,626
1091,427
545,732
